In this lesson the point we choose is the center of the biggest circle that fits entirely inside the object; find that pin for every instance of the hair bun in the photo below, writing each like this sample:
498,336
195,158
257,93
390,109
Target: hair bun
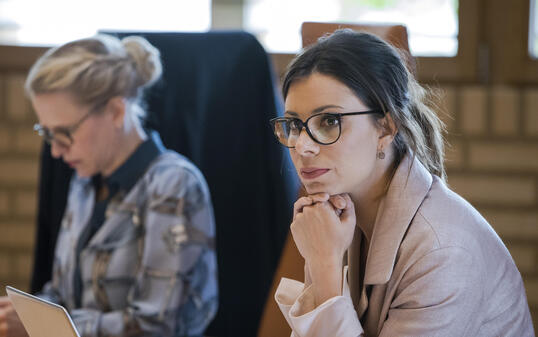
145,57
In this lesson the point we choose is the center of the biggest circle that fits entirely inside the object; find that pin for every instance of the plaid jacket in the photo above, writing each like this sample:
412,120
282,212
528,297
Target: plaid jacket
151,268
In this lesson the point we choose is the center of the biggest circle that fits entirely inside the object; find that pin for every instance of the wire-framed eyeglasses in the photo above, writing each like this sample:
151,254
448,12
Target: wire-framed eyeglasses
324,128
63,136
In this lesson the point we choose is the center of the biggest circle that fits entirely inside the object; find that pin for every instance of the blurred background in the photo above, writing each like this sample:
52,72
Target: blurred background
481,54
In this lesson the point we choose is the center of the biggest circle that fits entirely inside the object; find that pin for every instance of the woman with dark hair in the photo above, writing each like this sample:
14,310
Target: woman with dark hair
421,261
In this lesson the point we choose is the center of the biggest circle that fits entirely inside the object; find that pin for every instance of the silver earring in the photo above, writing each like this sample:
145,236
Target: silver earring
381,154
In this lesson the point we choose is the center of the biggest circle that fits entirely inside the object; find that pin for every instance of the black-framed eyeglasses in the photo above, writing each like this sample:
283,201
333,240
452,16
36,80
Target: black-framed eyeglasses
324,128
63,136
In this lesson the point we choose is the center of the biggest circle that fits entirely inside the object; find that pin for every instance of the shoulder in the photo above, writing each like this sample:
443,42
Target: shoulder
451,220
445,222
173,174
451,252
441,246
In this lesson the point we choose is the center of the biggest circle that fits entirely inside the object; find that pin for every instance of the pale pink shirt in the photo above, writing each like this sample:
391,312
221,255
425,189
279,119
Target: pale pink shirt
435,267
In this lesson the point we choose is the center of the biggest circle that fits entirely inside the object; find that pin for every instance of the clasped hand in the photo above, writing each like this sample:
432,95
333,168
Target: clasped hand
323,227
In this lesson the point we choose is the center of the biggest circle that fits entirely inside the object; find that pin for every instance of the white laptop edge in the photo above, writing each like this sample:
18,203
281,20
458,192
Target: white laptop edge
20,298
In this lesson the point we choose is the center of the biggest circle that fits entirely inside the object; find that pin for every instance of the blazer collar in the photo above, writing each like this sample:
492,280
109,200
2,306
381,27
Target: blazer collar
407,190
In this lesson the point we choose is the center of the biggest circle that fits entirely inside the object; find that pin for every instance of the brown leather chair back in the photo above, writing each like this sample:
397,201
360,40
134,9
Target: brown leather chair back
396,35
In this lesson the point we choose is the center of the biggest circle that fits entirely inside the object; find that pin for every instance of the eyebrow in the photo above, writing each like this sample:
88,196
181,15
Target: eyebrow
54,128
315,111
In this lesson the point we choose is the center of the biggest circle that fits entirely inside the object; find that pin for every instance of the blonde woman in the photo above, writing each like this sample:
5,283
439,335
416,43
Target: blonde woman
421,261
135,253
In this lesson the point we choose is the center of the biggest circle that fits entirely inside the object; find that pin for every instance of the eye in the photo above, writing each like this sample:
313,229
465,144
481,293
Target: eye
62,132
329,120
295,124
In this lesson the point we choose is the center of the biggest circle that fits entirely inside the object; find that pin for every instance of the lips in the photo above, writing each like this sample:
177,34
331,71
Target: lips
313,172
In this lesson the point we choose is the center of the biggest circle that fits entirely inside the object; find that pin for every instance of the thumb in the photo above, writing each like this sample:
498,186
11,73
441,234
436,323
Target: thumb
4,301
348,213
338,201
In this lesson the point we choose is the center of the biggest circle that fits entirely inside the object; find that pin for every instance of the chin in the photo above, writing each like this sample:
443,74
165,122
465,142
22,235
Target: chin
316,187
84,173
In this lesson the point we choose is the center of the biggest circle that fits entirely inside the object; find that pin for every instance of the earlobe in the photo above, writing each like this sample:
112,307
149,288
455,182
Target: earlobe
385,141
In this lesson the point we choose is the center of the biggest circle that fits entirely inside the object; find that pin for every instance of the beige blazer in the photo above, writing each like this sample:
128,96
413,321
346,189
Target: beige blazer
435,267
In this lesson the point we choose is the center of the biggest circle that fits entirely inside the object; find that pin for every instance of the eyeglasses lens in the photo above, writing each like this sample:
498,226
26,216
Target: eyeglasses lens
324,128
61,138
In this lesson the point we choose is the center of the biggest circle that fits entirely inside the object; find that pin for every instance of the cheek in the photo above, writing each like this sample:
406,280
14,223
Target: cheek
357,156
84,152
92,146
358,162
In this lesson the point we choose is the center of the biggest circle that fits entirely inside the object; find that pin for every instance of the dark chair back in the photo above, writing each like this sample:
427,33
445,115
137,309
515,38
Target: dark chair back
213,105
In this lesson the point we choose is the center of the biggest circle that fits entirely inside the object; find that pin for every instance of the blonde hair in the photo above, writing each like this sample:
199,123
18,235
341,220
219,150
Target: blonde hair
96,69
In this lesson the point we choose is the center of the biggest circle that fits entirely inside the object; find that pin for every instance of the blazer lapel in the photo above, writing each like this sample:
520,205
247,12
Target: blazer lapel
353,274
407,190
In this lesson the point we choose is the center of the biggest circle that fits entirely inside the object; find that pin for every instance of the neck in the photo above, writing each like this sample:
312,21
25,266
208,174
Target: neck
125,147
368,197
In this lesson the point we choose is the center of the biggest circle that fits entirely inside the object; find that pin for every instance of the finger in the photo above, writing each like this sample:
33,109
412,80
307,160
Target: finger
320,208
337,204
349,209
4,300
299,204
338,201
307,201
349,203
338,212
319,197
328,206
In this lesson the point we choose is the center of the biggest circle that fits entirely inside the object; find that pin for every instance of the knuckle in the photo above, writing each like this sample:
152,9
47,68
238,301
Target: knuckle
320,205
320,196
307,210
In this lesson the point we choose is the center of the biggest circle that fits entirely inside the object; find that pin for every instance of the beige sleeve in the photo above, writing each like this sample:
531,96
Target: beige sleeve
335,317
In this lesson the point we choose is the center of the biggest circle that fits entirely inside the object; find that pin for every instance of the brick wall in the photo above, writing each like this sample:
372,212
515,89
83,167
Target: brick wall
492,162
19,150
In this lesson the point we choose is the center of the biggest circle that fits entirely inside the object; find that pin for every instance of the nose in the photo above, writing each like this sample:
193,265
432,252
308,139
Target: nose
305,145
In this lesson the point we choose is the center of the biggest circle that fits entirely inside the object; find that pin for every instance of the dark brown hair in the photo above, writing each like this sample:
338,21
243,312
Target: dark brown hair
376,73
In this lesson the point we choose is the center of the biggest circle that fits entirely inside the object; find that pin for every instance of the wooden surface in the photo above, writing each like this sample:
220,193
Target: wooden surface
291,266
